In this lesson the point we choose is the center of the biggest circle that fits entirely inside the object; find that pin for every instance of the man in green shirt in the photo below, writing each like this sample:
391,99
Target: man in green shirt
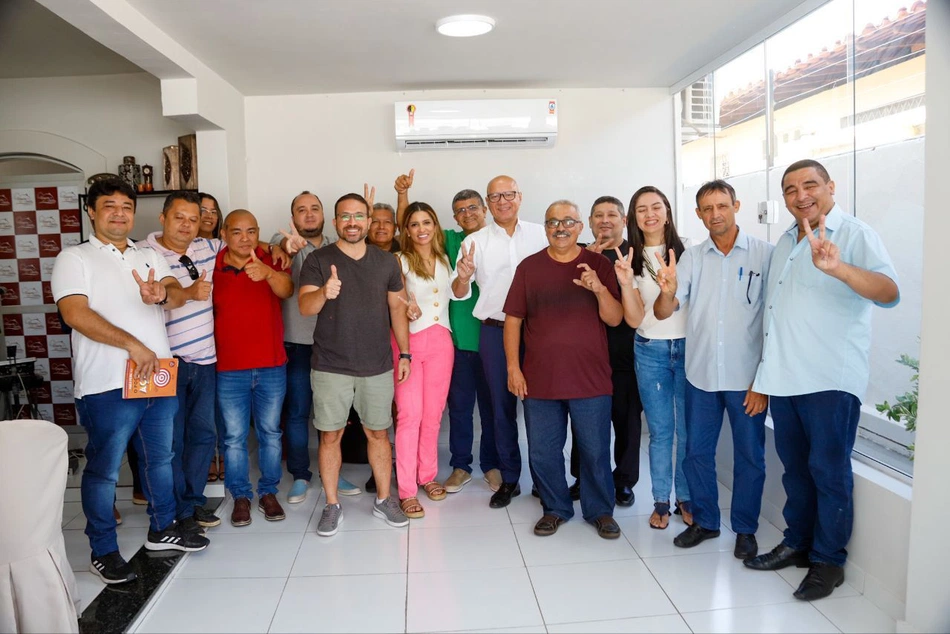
468,378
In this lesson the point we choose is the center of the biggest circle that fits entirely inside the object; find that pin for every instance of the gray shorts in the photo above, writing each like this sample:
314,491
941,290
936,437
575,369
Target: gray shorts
333,394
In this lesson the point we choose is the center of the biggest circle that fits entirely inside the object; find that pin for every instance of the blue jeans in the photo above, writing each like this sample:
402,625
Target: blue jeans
241,394
661,377
194,434
110,422
703,424
504,405
297,406
468,386
814,437
547,433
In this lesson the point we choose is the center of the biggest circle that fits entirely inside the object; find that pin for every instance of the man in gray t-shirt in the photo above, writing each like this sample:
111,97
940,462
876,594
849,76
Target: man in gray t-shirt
358,292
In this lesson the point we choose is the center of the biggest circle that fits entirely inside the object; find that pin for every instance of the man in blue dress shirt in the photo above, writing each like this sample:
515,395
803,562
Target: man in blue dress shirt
815,368
721,281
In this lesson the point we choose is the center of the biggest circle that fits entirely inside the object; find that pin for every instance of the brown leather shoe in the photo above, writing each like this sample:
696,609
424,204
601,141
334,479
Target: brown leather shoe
271,508
241,515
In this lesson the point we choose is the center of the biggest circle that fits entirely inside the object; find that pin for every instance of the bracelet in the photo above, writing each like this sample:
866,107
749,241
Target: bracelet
164,301
405,355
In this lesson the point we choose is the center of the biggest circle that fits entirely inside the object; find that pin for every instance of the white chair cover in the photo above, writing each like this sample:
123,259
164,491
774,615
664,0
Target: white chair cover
38,591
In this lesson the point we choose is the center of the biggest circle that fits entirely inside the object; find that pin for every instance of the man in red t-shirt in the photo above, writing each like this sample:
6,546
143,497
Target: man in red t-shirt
563,296
249,335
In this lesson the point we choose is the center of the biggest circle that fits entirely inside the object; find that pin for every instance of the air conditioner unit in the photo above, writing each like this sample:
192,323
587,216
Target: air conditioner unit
477,123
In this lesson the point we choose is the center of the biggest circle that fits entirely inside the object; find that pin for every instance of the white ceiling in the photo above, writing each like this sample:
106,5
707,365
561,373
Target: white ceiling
35,42
324,46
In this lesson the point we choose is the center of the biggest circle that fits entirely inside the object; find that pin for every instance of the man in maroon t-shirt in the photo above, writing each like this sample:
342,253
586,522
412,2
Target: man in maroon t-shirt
249,335
563,296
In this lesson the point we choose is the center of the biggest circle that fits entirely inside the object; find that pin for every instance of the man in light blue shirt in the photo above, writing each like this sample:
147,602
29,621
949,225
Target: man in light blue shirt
721,281
815,368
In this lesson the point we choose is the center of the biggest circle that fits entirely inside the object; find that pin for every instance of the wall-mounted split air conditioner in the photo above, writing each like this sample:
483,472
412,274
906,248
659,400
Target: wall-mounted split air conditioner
477,123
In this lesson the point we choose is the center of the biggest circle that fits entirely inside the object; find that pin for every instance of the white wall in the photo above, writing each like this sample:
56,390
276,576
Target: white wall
114,115
928,593
610,141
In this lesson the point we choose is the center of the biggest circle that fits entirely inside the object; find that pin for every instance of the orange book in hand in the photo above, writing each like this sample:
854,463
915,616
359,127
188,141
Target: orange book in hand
162,383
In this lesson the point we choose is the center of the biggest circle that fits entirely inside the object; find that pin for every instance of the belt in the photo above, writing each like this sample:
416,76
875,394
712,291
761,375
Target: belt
493,322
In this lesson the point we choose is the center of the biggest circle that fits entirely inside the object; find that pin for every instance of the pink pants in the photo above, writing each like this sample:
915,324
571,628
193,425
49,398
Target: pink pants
420,401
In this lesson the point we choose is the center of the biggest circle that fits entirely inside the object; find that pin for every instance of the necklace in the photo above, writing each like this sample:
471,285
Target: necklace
648,263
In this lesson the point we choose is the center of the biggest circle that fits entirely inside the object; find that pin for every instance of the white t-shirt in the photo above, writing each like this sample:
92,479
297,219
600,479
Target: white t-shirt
674,327
433,296
104,275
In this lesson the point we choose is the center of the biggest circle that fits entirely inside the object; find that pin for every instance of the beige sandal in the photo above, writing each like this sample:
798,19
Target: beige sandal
434,490
411,508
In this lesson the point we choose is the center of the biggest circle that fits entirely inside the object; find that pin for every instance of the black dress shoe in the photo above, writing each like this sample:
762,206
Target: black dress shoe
694,536
746,546
625,496
503,495
820,582
575,490
535,492
370,484
779,557
607,527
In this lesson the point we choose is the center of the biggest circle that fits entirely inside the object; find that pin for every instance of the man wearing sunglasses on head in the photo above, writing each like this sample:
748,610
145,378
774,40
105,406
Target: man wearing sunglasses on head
190,331
489,258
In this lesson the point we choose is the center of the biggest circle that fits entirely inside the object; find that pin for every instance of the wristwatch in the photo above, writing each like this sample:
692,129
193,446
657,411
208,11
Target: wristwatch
164,301
405,355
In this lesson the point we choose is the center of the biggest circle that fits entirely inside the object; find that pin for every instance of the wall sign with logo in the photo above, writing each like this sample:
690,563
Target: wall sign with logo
36,223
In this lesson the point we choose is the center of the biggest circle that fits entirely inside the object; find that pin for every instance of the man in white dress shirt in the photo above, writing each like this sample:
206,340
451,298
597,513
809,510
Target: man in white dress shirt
489,257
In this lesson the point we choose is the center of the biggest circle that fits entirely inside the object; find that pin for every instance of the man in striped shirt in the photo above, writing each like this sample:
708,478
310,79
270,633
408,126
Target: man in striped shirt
190,331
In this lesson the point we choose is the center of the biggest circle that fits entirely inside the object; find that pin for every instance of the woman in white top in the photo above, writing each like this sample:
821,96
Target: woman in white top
420,399
659,352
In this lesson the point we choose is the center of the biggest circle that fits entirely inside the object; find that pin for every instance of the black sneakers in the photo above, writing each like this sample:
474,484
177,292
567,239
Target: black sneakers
176,538
205,518
112,568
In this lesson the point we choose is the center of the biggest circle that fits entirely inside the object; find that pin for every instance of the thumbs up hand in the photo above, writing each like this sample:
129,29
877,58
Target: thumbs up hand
257,270
201,289
333,285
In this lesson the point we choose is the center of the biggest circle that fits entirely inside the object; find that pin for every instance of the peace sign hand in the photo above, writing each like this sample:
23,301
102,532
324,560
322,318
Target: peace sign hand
466,266
332,288
624,267
589,279
825,254
404,182
666,276
370,195
152,292
293,241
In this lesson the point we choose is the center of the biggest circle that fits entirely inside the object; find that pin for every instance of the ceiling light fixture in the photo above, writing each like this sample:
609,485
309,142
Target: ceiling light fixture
465,25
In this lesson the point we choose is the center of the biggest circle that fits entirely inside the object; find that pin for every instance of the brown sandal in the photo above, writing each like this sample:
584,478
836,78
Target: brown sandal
221,468
685,509
213,471
660,518
434,490
411,508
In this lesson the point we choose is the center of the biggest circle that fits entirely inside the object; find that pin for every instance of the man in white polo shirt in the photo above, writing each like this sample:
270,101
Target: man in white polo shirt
112,294
190,332
489,257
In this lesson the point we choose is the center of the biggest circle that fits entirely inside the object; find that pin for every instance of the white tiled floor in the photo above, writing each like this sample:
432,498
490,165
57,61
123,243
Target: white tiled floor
466,567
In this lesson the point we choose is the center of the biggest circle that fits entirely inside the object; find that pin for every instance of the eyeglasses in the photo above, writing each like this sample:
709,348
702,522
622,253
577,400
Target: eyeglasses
352,217
468,210
567,223
209,210
494,198
190,267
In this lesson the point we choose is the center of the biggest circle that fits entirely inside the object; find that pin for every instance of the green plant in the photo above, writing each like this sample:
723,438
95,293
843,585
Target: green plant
905,407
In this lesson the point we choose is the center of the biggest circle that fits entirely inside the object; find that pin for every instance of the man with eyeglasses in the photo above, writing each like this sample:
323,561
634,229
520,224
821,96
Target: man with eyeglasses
556,294
489,257
721,281
358,292
190,331
468,383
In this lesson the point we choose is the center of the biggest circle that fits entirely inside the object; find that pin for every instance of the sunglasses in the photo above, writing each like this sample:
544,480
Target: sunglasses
190,267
